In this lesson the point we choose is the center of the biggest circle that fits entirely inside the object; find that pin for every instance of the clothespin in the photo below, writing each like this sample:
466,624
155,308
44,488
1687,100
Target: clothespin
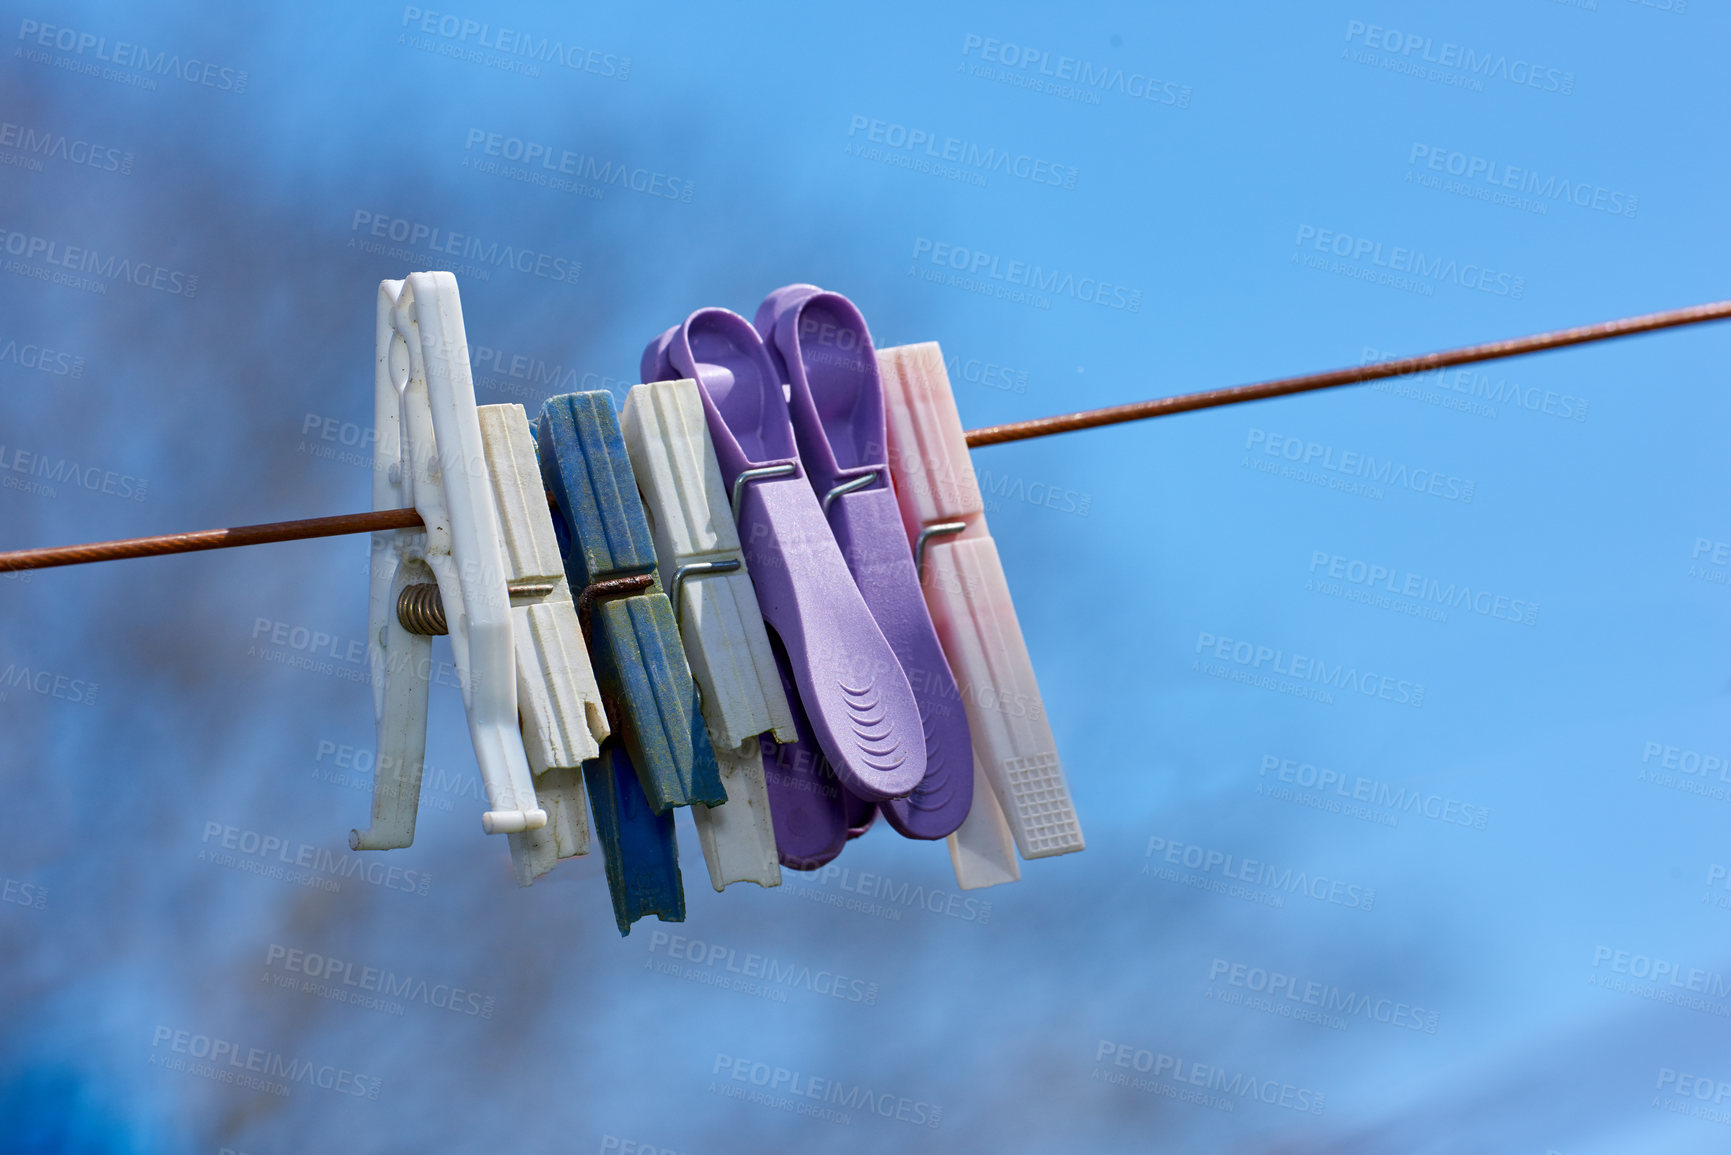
849,685
639,850
809,806
430,456
970,604
638,659
704,573
836,399
563,719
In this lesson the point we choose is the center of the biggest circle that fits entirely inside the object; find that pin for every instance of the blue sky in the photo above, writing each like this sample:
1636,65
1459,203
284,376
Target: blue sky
1449,651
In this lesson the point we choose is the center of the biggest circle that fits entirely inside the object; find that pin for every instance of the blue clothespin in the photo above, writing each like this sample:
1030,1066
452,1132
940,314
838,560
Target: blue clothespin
636,640
659,756
637,843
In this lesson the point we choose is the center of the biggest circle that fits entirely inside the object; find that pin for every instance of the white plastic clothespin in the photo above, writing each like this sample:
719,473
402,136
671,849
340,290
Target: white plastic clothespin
1014,752
558,701
697,550
430,457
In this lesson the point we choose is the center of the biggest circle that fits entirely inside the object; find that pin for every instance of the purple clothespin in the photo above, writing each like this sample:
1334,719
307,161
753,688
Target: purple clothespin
836,404
860,708
810,810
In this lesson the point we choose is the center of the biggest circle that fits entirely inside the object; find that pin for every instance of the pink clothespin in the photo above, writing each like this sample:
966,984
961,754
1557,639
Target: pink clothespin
970,603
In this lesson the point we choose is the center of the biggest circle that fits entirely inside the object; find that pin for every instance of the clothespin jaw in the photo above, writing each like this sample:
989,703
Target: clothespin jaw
721,625
810,806
641,854
558,701
431,458
983,849
634,641
969,598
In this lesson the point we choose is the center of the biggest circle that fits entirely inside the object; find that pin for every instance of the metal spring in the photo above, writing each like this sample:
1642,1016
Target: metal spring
421,610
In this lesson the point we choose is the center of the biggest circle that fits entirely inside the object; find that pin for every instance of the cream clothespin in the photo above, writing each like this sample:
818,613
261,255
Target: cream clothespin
976,621
698,554
560,706
430,457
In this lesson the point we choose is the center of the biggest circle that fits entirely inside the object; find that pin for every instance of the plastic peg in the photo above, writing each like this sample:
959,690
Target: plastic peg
638,847
807,802
429,456
558,702
982,850
849,684
970,603
634,642
704,573
836,400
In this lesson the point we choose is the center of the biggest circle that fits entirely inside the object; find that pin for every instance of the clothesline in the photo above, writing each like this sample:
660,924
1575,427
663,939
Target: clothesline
230,538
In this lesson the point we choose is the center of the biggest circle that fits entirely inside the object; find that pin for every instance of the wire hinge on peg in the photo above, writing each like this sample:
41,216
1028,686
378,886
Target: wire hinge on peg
422,611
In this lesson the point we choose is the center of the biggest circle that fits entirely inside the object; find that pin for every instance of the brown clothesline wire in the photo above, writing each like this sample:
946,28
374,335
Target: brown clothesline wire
990,435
